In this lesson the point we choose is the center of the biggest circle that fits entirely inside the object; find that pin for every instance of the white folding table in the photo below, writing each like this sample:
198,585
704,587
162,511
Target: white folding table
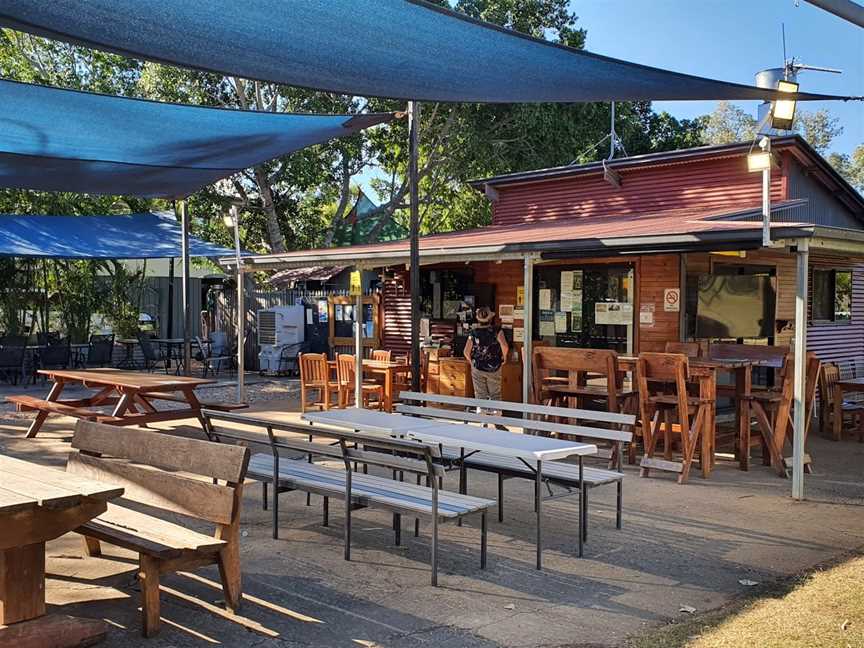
531,450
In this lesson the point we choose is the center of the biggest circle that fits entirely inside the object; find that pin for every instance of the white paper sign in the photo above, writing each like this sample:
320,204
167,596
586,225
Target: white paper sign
560,322
518,334
547,329
646,315
545,299
672,300
620,313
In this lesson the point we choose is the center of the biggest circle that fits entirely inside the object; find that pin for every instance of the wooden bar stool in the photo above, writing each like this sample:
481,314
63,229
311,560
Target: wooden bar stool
666,408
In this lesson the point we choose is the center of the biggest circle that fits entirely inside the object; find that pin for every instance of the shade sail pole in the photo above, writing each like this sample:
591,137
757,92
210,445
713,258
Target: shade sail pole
799,422
358,346
413,149
241,310
187,294
527,328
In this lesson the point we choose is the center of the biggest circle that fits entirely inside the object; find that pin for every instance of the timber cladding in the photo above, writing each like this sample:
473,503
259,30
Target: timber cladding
654,275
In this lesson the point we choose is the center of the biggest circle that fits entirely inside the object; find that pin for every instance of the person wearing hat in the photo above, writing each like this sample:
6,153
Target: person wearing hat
486,350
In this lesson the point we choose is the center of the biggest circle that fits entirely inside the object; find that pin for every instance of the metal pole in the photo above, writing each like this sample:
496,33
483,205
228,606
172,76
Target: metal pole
766,199
527,328
800,421
187,292
413,148
241,311
358,346
845,9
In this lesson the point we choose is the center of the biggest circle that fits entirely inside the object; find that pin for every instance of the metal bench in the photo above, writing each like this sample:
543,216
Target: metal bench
146,465
559,473
356,490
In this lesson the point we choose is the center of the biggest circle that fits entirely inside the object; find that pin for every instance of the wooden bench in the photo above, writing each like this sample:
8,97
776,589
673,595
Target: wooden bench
560,473
26,403
147,465
356,490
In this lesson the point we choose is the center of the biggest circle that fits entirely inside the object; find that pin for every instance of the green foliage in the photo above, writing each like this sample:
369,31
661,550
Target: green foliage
729,124
77,293
121,307
850,167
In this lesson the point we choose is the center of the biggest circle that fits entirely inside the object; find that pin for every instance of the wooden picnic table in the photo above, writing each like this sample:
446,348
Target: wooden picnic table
132,393
389,371
843,386
38,504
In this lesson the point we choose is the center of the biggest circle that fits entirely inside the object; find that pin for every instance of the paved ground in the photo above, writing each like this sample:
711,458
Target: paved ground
679,546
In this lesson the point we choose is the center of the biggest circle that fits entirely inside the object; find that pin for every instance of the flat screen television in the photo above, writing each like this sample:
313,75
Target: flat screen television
735,306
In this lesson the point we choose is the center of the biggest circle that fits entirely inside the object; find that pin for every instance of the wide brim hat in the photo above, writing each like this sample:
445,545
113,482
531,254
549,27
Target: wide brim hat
484,315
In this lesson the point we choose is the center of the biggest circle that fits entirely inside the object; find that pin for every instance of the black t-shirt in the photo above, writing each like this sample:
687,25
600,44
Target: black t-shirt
485,351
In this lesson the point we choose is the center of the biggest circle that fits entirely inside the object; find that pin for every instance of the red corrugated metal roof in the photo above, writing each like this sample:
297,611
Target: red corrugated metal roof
312,273
663,223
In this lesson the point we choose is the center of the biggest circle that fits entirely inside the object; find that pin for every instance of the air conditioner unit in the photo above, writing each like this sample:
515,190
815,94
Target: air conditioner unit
281,330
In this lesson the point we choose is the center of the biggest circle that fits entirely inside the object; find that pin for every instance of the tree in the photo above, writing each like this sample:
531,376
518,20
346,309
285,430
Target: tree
850,167
729,124
818,128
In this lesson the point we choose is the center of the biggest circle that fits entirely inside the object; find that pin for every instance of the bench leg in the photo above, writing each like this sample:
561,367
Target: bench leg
397,528
538,488
36,424
326,512
434,551
620,504
500,497
148,575
584,511
264,495
581,503
483,540
92,547
229,572
347,515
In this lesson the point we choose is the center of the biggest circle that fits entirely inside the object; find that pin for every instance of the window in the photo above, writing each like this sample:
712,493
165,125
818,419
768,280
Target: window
832,296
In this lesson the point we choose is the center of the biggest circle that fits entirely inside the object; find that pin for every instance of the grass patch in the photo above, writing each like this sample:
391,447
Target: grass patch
822,609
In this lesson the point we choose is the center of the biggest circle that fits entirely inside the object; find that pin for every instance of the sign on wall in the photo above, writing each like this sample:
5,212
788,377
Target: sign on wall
672,300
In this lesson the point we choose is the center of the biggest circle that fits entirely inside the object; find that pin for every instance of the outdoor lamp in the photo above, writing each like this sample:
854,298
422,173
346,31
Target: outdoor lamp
758,161
228,219
783,113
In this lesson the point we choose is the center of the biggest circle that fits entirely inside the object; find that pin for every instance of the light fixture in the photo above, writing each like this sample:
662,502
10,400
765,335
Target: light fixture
758,161
783,113
228,220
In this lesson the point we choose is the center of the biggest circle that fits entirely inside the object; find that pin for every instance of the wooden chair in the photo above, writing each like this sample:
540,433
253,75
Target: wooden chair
689,349
854,410
345,370
663,400
381,355
147,465
315,377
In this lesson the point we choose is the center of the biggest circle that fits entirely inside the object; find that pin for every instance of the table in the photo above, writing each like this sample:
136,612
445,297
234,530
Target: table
78,355
389,370
843,386
173,351
128,361
128,391
38,504
705,371
531,450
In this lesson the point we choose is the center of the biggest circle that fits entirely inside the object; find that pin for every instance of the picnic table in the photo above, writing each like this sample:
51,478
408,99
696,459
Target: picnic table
470,439
843,386
389,371
131,393
38,504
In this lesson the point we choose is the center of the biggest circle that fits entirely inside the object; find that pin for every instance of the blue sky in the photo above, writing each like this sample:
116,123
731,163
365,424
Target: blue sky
732,40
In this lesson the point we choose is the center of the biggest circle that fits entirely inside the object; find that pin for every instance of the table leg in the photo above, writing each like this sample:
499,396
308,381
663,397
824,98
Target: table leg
538,498
123,404
53,395
708,390
22,583
838,413
388,390
743,387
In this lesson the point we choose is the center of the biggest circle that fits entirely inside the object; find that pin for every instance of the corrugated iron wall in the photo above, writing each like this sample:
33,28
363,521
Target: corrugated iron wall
723,184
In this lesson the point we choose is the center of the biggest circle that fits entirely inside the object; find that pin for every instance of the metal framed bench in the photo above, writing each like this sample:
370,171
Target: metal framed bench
559,473
357,490
147,464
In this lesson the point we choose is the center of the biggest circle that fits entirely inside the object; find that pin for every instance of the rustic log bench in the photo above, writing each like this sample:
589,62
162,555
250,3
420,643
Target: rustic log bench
147,465
356,490
560,473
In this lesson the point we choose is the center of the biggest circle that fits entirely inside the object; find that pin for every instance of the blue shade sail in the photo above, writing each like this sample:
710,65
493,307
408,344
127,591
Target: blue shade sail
132,236
404,49
63,140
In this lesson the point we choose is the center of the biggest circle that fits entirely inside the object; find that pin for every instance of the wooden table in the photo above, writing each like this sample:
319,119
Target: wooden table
390,371
130,392
38,504
704,370
843,386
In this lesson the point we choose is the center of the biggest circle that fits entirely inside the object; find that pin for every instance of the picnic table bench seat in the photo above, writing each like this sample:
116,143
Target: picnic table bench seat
370,491
25,403
219,406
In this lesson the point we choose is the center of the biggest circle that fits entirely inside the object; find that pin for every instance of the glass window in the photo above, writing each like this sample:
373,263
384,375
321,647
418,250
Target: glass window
832,296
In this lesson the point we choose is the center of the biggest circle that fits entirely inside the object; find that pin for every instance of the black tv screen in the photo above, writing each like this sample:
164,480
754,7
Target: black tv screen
735,306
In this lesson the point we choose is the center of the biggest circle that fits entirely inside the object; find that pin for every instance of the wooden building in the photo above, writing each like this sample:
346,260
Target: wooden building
641,240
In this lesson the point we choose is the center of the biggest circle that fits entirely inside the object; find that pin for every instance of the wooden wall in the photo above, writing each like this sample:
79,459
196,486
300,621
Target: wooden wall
654,274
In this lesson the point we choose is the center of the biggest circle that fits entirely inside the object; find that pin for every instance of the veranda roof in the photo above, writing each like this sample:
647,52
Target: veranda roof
133,236
406,49
64,140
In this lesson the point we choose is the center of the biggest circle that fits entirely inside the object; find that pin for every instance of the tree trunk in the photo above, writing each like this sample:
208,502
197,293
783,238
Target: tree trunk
274,233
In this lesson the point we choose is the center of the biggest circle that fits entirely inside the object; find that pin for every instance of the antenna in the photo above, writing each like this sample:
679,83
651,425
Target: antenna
791,66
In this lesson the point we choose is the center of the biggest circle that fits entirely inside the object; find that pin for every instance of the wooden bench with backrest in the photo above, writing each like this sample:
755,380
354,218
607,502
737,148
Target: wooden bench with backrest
356,490
561,473
197,479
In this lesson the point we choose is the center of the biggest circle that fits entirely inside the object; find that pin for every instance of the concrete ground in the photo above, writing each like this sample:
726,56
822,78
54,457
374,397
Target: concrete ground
680,546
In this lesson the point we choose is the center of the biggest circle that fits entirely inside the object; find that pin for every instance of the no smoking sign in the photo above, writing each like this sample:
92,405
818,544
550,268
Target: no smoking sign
672,300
